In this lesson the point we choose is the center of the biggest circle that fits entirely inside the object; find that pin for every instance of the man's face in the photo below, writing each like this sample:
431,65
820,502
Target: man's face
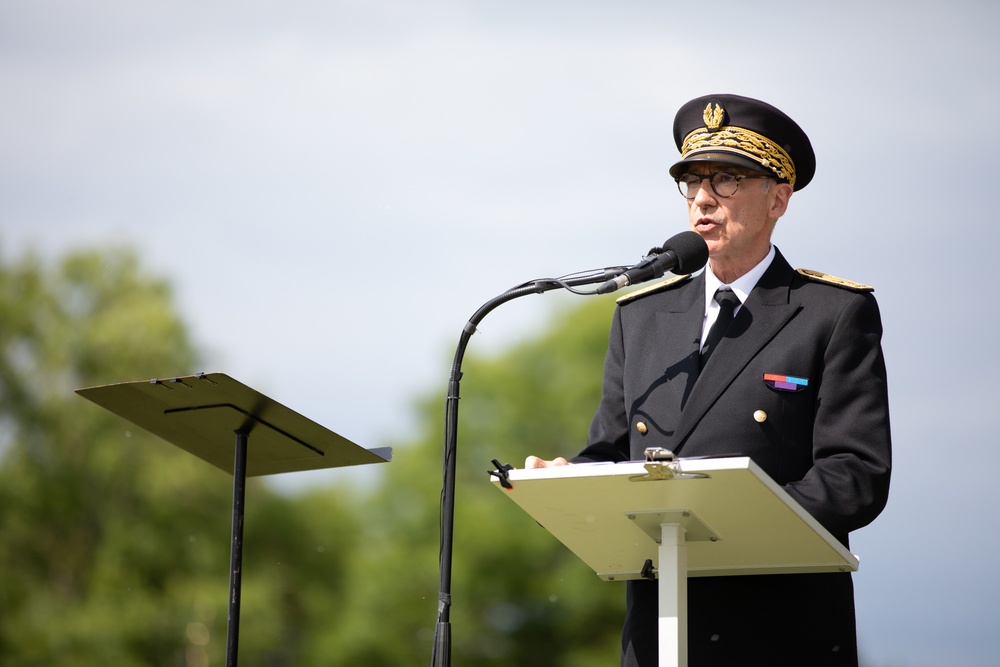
737,228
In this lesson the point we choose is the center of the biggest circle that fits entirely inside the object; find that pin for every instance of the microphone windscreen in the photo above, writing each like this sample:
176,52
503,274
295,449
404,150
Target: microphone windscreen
690,249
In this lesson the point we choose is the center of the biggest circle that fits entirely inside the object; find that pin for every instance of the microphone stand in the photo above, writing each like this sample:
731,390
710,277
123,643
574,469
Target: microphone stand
441,656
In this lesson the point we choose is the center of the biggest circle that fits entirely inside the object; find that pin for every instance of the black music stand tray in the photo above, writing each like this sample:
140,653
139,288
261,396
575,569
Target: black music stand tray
201,413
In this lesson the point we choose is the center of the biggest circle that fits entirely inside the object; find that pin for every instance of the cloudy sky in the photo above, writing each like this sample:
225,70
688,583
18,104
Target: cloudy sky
335,186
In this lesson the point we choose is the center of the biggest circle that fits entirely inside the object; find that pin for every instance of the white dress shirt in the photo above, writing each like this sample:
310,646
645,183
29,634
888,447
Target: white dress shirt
742,287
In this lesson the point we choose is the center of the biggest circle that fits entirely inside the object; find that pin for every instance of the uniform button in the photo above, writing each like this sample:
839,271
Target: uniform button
641,428
760,416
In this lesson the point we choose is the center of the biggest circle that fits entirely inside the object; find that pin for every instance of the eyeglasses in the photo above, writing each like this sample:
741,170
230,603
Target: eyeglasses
723,183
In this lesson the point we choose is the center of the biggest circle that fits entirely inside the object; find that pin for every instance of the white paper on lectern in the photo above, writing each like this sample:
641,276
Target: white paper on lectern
737,519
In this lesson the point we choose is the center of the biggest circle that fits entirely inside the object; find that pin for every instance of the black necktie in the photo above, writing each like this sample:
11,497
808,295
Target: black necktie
728,301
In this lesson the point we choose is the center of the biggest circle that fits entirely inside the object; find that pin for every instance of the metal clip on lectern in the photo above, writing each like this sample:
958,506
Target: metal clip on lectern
203,414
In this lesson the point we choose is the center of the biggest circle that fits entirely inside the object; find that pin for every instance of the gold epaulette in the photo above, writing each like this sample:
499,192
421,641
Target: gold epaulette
653,289
833,280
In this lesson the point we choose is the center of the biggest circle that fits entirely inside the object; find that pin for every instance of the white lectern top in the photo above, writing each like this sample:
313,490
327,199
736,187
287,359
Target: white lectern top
737,520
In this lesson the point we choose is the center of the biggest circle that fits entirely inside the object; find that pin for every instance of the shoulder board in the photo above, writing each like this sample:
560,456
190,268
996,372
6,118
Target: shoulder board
654,289
833,280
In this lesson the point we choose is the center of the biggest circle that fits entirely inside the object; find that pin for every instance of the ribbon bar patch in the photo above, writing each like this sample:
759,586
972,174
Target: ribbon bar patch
785,382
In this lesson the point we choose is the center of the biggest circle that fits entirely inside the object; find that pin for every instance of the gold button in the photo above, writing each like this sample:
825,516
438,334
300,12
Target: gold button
760,416
641,428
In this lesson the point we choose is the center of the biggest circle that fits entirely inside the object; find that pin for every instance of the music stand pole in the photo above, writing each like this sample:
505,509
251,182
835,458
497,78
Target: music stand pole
236,548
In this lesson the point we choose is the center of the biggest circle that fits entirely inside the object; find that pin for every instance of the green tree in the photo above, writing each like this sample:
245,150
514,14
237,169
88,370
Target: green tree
71,485
115,544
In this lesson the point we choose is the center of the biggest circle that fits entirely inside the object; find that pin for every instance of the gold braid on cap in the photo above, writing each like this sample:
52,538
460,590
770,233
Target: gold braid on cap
744,142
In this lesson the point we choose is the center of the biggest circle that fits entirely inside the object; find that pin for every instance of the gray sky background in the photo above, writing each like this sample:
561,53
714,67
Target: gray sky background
335,186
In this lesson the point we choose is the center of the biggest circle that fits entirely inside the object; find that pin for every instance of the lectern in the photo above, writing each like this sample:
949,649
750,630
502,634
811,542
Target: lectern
673,519
204,414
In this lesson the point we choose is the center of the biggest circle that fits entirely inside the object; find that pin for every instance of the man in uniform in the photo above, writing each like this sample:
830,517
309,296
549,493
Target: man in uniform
792,377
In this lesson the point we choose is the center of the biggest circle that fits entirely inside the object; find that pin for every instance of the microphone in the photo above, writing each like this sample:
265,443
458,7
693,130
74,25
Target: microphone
686,252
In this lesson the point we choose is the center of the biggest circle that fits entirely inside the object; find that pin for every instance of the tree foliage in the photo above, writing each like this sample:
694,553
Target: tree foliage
116,544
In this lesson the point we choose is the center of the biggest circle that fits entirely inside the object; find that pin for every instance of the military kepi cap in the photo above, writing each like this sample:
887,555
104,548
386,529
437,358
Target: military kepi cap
745,132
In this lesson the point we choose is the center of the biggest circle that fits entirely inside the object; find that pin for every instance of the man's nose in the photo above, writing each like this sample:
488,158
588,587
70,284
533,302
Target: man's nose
704,193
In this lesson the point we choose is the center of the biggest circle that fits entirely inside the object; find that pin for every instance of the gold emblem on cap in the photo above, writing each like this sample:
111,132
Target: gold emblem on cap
714,117
760,416
641,428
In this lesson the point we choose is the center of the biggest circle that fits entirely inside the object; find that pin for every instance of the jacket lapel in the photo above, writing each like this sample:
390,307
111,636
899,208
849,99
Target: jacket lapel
767,310
680,336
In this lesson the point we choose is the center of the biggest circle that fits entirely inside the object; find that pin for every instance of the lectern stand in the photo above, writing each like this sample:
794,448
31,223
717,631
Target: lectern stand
203,414
671,520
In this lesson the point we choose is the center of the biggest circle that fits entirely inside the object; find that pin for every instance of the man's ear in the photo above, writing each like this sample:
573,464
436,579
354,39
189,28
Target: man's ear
781,193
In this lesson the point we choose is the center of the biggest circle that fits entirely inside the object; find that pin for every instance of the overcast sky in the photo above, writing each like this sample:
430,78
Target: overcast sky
335,186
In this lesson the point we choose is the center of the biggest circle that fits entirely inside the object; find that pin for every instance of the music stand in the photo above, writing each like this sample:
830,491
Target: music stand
202,413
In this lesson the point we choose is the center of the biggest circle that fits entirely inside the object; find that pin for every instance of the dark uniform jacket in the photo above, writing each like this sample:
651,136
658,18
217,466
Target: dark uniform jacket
824,438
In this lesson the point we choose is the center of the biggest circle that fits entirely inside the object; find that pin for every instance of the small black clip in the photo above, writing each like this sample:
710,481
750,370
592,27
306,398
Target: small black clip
501,472
648,571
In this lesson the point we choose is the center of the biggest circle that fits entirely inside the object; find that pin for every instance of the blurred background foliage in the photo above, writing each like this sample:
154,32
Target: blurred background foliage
115,546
